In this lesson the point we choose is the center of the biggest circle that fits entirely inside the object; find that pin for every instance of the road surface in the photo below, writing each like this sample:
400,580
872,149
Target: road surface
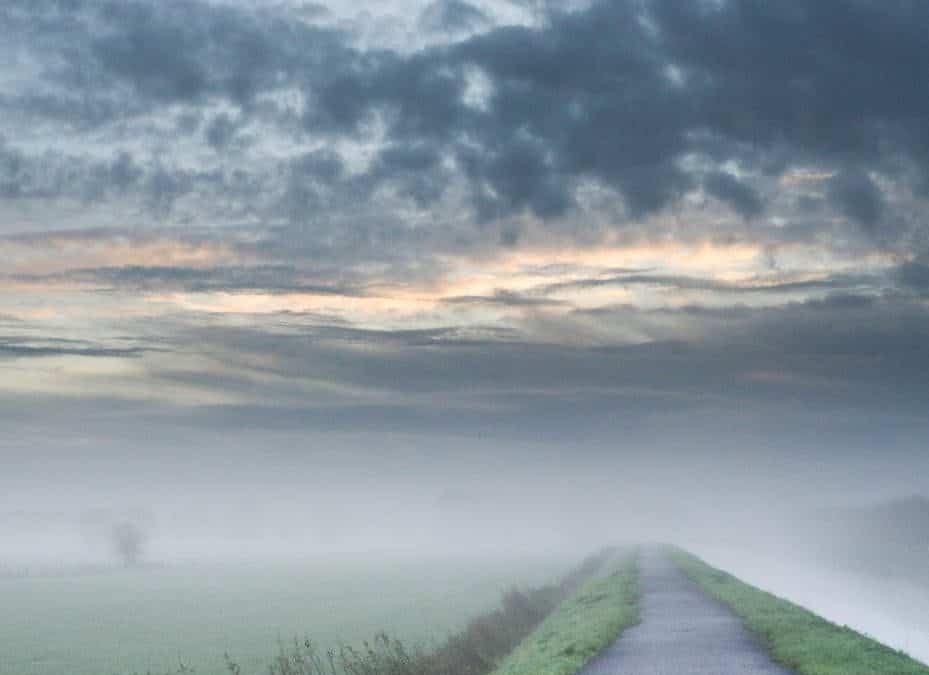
683,632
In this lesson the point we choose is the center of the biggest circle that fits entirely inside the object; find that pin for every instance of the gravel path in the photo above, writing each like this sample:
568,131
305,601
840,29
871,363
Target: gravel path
683,632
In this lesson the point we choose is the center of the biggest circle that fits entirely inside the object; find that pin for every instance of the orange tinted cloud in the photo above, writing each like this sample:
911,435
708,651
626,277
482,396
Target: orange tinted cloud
513,272
55,254
527,271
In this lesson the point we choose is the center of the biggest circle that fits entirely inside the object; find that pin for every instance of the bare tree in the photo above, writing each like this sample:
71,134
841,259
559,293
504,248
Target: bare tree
128,540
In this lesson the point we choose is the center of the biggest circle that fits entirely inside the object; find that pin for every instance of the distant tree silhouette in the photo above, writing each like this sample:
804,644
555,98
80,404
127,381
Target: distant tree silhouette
128,541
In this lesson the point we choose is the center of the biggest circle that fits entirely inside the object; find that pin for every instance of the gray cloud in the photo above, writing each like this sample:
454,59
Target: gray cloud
320,155
737,194
619,93
189,52
233,278
221,131
915,276
22,347
165,187
858,197
452,16
505,299
836,355
840,368
679,282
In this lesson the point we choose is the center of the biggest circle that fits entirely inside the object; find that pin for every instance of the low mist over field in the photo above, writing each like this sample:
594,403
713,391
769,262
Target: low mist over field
283,495
467,280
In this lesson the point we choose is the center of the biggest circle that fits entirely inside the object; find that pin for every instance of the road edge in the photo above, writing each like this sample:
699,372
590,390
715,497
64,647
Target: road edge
583,625
794,636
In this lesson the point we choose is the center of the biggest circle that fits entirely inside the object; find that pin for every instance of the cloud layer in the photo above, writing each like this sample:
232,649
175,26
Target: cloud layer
610,210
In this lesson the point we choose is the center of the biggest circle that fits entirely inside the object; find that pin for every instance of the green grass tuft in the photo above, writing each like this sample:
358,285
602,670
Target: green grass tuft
795,637
582,626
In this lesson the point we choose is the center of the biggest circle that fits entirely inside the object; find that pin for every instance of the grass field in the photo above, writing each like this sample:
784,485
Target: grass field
136,620
796,637
583,625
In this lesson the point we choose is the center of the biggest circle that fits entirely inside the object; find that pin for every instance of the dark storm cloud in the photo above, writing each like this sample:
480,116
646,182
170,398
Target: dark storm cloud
593,94
55,175
165,187
184,53
307,179
737,194
590,90
123,172
915,276
13,178
80,111
857,197
842,300
619,93
829,76
414,170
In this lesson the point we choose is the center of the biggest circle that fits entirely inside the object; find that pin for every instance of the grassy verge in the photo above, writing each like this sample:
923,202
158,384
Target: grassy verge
582,626
796,637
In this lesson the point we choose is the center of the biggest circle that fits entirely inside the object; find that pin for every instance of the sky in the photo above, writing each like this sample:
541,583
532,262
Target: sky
431,255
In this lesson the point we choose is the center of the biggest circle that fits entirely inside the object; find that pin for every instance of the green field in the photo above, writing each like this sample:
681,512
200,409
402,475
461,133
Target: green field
136,620
797,638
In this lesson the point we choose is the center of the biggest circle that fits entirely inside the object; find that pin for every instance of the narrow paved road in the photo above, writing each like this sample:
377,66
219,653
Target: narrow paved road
682,633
